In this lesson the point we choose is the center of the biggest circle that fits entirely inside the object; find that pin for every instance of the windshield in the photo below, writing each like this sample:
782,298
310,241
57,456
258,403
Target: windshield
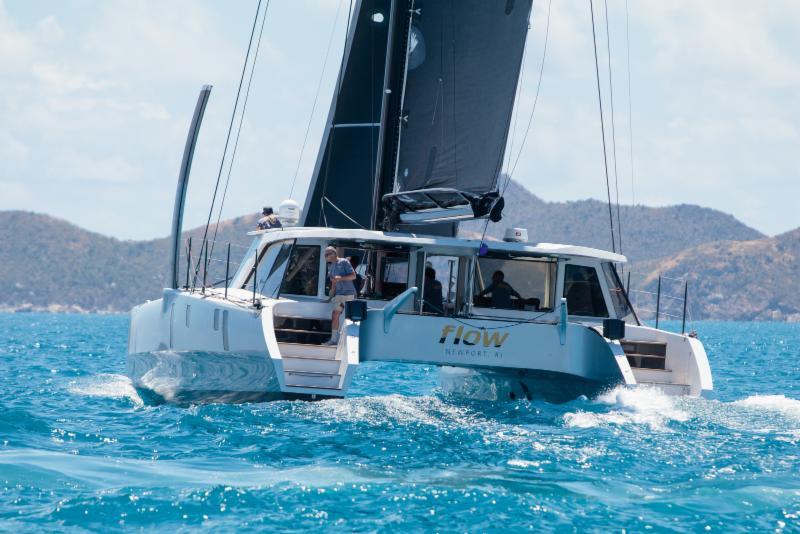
515,284
619,297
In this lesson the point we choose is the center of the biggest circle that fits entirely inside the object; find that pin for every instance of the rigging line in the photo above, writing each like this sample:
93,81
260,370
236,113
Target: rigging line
239,129
515,112
613,128
345,215
316,96
533,109
332,134
536,97
630,115
228,138
602,128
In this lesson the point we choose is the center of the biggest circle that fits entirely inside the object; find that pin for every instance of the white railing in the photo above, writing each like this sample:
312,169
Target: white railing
669,300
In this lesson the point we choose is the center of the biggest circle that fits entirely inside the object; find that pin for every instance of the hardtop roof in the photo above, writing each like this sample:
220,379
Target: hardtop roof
544,249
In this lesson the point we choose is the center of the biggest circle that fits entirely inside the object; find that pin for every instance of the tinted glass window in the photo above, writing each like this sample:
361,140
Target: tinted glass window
514,284
302,273
619,300
392,276
583,292
440,284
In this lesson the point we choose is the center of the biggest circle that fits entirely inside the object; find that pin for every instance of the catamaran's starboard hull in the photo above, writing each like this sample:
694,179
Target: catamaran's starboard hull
518,384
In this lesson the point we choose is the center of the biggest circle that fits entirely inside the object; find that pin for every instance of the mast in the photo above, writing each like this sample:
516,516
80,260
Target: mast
183,182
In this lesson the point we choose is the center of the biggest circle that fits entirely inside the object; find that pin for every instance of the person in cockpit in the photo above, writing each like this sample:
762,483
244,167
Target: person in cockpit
432,300
501,291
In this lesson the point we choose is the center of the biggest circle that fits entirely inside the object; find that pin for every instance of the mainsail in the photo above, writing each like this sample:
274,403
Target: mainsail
432,93
342,189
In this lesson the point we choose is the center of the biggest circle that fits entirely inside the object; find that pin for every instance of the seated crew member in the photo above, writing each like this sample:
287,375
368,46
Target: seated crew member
269,220
341,275
501,291
432,300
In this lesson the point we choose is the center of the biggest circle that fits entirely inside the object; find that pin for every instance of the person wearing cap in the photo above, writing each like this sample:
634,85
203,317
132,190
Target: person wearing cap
269,220
341,275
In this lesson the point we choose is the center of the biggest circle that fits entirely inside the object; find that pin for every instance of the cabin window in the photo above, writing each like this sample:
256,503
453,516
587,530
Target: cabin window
526,284
302,273
271,266
391,274
619,299
440,285
381,271
583,292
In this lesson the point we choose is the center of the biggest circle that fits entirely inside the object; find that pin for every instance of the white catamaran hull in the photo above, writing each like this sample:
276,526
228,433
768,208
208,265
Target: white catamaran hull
195,347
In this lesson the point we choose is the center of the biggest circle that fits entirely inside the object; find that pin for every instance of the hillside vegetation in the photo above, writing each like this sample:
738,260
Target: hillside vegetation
647,233
734,271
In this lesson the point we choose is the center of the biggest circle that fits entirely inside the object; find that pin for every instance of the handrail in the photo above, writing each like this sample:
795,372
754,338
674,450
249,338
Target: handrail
390,310
658,295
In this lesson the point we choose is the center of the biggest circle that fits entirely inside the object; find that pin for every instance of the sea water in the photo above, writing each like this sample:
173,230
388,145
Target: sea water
80,449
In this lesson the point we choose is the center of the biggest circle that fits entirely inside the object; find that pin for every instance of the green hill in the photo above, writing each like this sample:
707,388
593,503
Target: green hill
734,271
647,233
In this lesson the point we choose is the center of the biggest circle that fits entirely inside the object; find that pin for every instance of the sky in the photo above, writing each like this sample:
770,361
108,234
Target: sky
96,97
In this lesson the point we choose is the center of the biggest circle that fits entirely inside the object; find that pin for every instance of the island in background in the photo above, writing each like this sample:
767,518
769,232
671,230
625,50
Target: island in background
734,272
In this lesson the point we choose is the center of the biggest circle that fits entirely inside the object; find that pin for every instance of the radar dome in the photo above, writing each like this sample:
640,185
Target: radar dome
289,213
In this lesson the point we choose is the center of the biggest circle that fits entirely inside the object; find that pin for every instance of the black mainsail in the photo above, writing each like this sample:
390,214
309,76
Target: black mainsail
432,88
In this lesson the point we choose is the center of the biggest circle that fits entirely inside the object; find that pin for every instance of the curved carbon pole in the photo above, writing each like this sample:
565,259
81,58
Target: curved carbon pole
183,182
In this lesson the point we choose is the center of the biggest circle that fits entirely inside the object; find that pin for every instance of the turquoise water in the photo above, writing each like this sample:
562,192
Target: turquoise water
80,449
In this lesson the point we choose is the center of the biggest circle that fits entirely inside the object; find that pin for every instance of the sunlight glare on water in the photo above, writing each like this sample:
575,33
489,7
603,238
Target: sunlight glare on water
80,448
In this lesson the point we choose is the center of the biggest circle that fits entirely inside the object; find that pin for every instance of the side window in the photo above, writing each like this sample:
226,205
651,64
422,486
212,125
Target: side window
583,292
440,285
392,274
271,268
302,273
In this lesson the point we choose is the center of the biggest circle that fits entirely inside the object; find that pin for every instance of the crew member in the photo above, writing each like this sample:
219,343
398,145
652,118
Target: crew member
501,291
432,300
341,275
269,220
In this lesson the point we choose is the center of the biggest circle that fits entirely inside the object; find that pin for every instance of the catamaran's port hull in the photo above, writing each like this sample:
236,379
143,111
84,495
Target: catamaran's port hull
207,377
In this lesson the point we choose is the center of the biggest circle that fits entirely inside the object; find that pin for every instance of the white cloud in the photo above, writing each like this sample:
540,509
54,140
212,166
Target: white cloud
713,106
96,102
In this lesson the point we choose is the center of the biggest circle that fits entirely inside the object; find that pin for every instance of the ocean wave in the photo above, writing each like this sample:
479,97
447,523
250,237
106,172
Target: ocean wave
772,403
47,469
640,406
108,386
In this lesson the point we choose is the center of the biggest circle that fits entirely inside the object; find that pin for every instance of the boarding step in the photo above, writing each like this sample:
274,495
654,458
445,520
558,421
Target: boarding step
307,350
669,388
292,329
304,379
652,375
646,361
644,348
313,365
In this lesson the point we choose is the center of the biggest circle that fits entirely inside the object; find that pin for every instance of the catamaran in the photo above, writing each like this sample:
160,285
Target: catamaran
414,144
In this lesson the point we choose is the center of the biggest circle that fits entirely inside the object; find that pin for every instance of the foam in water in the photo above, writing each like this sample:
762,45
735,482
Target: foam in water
772,403
640,405
109,386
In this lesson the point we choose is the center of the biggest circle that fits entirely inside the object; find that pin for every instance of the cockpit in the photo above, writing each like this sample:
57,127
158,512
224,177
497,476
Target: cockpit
451,279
